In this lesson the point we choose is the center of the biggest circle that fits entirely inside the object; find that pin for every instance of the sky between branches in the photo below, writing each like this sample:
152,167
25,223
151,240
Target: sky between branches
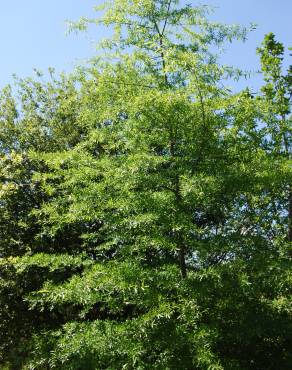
33,33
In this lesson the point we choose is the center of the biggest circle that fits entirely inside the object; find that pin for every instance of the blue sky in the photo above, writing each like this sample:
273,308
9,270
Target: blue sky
33,33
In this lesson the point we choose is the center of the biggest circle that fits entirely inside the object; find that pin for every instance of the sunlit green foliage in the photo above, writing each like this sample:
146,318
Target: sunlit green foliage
145,211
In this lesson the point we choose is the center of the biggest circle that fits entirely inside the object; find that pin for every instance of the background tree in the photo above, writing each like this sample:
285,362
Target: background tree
277,93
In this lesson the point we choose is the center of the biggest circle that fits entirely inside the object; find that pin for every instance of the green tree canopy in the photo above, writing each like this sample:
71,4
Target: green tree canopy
145,210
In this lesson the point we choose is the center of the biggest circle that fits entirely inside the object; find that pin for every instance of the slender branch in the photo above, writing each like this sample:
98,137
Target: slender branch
133,24
157,28
166,19
131,84
200,98
161,35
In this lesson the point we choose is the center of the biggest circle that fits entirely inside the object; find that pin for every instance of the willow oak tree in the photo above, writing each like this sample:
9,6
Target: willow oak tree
163,225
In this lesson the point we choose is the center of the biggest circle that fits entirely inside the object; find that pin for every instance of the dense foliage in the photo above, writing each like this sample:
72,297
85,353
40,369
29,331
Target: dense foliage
145,210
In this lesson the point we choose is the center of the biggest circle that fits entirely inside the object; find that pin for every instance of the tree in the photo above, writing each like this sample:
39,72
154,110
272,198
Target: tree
43,117
277,93
160,221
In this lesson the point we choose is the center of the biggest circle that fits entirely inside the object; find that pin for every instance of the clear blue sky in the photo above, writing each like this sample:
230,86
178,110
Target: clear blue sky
33,32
